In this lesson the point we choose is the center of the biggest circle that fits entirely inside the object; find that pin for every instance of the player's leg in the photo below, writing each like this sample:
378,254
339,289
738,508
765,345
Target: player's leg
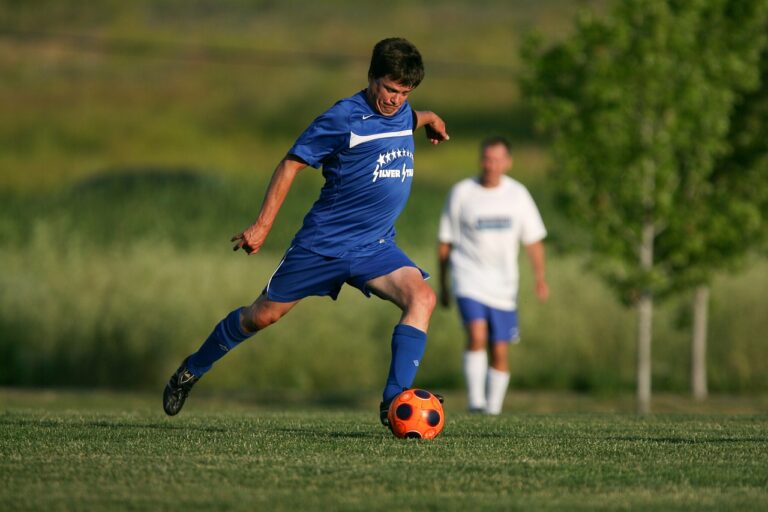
239,325
475,362
503,329
406,288
391,275
301,273
474,316
500,356
498,377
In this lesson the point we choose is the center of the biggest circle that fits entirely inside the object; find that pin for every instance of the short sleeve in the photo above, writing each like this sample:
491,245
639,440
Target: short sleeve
448,220
532,226
326,136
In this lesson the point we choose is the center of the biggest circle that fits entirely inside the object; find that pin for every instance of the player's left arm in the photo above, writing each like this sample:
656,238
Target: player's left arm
536,255
433,124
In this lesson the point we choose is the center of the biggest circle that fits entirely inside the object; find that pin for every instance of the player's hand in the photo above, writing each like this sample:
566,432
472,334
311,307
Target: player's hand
542,290
436,130
445,298
249,240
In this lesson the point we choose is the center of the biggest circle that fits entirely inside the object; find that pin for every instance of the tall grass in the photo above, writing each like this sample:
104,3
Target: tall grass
77,313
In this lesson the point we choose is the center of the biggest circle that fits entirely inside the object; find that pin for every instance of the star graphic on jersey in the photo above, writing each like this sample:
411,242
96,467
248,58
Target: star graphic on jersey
399,153
381,160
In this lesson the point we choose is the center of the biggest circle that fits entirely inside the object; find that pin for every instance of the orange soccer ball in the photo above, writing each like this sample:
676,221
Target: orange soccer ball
416,413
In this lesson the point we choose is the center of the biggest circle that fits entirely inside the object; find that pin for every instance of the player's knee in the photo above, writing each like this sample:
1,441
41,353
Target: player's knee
426,299
266,318
256,318
500,356
248,319
476,343
432,299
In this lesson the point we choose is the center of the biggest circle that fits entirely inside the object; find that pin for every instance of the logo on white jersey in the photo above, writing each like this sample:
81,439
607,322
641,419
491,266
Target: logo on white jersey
386,159
499,222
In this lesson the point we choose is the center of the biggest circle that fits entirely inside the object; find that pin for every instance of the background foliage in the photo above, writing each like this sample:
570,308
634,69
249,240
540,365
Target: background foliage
137,137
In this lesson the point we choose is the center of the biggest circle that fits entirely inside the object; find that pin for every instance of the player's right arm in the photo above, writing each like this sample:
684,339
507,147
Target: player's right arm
252,238
443,258
446,236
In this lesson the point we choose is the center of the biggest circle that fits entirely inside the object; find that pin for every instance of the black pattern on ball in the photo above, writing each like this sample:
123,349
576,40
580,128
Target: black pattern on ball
422,394
433,418
413,435
404,411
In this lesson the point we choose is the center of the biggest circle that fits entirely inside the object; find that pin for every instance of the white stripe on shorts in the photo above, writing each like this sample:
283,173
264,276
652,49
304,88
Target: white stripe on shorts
278,268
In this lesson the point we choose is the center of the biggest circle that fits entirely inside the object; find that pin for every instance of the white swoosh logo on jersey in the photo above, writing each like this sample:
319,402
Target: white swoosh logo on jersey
356,140
369,115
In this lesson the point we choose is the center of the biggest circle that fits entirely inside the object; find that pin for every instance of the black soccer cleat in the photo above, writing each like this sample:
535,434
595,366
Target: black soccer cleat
384,413
177,389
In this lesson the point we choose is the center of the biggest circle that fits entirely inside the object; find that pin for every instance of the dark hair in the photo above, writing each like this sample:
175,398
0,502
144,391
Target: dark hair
397,59
495,140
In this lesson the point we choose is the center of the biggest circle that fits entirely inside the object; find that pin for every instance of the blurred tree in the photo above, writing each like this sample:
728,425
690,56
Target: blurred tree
638,105
721,220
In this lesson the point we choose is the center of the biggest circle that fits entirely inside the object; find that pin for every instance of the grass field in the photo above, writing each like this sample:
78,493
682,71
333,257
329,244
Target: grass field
74,451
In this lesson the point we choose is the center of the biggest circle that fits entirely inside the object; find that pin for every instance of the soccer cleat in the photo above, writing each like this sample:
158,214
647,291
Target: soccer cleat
177,389
384,412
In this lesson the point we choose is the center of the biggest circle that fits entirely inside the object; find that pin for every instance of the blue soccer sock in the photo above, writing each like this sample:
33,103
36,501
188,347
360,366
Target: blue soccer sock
408,345
225,336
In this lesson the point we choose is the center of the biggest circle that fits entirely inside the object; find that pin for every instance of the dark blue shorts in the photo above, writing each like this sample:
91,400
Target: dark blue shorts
303,273
502,324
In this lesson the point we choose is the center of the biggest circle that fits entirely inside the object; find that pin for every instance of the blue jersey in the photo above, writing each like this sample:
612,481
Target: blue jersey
367,161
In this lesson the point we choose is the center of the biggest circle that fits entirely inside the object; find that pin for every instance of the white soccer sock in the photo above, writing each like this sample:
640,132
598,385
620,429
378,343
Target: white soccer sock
497,389
475,370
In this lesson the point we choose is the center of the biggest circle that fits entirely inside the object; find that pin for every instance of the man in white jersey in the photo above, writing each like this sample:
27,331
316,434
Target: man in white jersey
484,220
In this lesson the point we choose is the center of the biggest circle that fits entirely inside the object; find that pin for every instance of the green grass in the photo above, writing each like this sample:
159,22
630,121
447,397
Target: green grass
118,452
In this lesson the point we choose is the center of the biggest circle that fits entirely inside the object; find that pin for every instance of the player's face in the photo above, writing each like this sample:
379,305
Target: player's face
386,95
495,161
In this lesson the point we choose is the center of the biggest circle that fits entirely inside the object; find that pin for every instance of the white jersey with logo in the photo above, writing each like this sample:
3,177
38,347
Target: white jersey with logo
485,227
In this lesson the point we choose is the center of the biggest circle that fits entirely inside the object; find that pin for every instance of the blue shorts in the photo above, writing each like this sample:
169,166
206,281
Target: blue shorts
502,324
303,273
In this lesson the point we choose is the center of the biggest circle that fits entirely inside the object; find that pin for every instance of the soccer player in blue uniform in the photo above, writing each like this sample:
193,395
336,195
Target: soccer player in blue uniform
364,144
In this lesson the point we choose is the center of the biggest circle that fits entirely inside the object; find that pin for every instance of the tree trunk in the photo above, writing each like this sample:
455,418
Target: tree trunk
699,343
644,326
644,322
